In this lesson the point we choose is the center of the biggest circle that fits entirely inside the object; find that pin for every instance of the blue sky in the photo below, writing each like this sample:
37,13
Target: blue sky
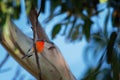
72,52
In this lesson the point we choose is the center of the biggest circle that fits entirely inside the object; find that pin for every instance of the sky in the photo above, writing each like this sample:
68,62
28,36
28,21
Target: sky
72,52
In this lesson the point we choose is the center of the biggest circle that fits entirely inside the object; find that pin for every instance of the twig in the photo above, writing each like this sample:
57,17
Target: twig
36,54
40,8
4,60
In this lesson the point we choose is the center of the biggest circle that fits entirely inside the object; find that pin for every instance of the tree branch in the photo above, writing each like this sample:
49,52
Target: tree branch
53,65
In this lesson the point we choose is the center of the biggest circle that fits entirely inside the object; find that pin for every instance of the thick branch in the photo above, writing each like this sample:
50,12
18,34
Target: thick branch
53,66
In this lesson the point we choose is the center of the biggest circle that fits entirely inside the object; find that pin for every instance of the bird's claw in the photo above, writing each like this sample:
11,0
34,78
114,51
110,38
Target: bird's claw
26,56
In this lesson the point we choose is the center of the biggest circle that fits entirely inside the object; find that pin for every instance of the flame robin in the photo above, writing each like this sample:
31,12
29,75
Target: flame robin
40,45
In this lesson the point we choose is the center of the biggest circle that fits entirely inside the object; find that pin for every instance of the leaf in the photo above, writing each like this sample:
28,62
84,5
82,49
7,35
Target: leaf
28,6
93,72
76,34
56,30
3,7
115,18
43,6
110,47
17,2
86,28
17,11
54,4
103,1
69,36
64,7
34,3
97,37
50,17
106,22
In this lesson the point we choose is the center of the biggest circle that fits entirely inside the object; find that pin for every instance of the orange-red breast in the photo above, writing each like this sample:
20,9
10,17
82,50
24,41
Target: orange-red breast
40,46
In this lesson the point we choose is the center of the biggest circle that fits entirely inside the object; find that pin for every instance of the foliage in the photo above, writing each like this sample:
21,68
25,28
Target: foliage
78,24
79,16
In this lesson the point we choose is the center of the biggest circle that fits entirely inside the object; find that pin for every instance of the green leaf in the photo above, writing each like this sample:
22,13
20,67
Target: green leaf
16,12
64,7
103,1
17,2
54,4
56,30
3,7
110,47
86,28
69,36
106,22
76,33
28,6
43,6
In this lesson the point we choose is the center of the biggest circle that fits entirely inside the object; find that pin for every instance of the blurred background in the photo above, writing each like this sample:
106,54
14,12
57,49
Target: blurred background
85,31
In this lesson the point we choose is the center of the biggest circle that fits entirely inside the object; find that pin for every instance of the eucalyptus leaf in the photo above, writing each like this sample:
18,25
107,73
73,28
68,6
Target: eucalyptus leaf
56,30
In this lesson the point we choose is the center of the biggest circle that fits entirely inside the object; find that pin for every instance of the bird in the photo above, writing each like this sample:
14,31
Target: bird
40,46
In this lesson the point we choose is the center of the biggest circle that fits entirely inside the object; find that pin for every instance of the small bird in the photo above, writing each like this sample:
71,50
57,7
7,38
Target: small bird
40,45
